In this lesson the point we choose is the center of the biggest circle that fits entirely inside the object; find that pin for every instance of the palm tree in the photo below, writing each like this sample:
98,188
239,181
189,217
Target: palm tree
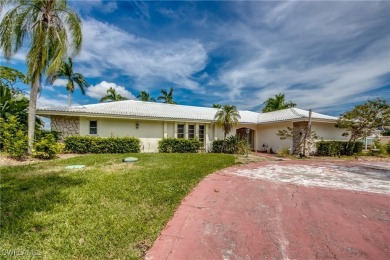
66,72
227,117
52,29
145,96
167,97
277,103
217,106
112,96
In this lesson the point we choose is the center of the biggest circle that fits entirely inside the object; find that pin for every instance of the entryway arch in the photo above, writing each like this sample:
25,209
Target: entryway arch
241,132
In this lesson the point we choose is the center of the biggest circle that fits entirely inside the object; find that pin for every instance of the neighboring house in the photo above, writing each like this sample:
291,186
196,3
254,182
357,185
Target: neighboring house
151,121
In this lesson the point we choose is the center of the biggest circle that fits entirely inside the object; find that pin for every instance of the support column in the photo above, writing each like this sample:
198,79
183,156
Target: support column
206,137
186,131
175,130
197,131
165,130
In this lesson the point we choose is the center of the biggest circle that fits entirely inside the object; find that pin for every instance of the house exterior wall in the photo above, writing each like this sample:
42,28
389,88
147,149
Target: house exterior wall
149,131
67,125
385,139
267,138
328,131
324,131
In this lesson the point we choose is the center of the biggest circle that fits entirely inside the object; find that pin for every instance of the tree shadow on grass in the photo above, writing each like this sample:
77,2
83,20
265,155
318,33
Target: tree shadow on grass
21,198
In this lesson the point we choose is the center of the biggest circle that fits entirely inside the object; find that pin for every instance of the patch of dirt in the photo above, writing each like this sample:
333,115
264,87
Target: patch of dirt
49,170
242,159
8,161
143,247
117,166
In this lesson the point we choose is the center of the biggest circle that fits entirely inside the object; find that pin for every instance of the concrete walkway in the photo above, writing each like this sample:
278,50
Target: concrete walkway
283,210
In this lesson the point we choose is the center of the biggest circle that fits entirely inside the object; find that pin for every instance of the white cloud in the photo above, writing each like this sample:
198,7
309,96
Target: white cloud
60,82
62,100
57,83
319,54
108,48
99,90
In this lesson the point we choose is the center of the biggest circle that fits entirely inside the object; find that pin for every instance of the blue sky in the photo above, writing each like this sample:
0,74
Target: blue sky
327,55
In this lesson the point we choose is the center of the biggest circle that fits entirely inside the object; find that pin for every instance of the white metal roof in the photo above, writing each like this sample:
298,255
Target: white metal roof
154,110
291,114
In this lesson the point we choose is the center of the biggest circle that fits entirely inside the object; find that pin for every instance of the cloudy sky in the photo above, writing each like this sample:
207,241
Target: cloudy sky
323,55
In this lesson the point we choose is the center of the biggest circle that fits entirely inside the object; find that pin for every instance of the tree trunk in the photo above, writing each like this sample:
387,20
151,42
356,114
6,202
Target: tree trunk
36,83
308,131
69,99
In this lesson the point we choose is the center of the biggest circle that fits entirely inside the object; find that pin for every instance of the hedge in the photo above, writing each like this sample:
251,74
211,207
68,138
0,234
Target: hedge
334,148
176,145
232,145
42,133
91,144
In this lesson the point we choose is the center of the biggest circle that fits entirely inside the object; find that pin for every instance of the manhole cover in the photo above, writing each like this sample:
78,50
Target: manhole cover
130,159
75,166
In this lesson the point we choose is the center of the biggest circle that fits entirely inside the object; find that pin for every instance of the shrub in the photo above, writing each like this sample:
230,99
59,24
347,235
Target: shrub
14,137
47,147
284,152
91,144
176,145
217,146
334,148
232,145
382,147
42,133
60,147
386,132
388,147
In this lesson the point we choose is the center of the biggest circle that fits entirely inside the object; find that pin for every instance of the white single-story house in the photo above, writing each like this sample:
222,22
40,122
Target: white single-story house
151,121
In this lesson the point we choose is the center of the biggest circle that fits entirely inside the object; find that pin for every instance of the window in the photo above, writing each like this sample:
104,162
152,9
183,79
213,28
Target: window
201,133
191,131
180,131
93,127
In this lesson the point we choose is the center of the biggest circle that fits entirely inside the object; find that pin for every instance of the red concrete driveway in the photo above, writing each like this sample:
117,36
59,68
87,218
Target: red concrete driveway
283,210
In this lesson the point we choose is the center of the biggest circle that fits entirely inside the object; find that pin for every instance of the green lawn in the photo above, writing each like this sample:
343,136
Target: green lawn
107,210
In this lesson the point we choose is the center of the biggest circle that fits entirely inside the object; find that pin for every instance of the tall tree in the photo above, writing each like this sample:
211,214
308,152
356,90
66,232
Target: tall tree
112,95
363,119
227,117
167,97
145,96
73,78
52,29
217,106
277,103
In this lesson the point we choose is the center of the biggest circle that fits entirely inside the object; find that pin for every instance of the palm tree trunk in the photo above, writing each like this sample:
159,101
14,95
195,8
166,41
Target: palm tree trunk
69,99
32,112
